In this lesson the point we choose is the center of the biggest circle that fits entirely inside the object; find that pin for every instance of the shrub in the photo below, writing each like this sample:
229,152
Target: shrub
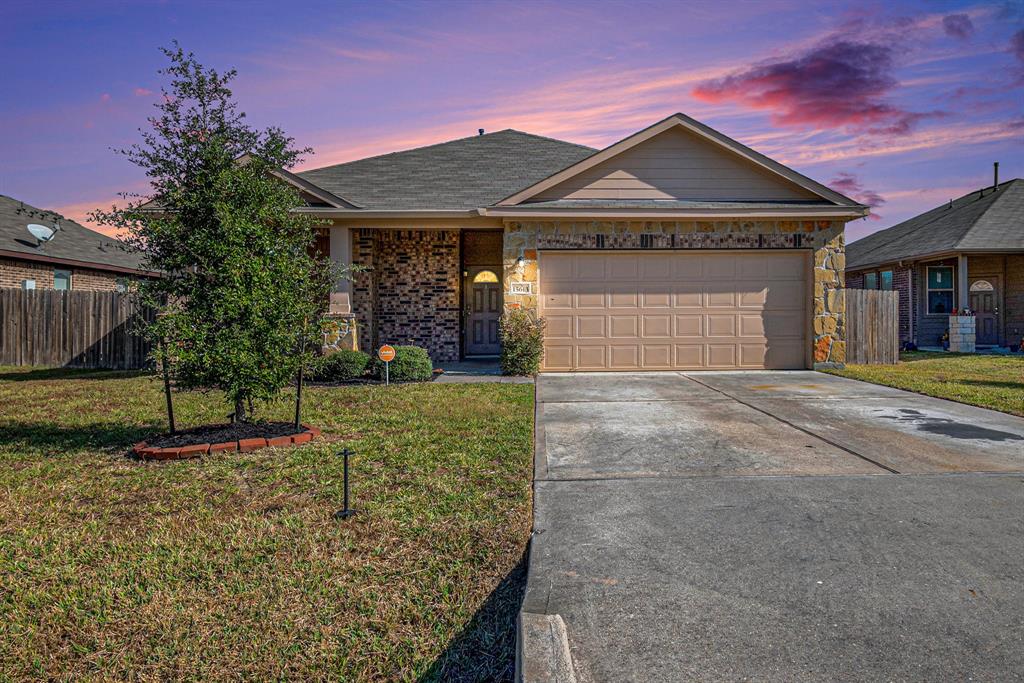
411,364
522,342
342,365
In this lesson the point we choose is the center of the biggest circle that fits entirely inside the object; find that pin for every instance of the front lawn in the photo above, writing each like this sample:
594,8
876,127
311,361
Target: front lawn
232,567
995,382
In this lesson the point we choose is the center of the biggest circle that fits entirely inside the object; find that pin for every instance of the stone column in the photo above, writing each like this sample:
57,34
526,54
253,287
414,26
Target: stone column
961,333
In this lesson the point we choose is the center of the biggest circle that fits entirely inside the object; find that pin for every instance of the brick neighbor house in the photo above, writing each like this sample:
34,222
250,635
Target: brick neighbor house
968,253
76,258
675,248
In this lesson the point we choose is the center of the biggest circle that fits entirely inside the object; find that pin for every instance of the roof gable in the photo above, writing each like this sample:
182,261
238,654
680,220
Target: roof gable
678,159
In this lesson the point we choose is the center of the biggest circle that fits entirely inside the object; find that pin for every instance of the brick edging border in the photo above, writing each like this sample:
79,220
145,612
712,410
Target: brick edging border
143,451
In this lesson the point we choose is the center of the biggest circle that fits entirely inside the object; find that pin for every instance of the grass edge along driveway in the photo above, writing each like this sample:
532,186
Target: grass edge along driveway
232,566
988,381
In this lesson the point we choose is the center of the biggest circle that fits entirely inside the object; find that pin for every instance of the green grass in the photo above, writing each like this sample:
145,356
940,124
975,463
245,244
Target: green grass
995,382
231,567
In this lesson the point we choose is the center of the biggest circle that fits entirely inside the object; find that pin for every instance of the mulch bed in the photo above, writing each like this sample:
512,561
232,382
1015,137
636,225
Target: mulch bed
242,436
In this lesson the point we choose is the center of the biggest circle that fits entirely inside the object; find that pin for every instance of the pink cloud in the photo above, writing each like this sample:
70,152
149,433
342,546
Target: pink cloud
835,84
851,186
105,97
142,92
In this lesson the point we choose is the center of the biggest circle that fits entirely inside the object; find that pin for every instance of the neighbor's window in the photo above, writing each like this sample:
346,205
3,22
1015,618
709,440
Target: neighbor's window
870,280
62,279
940,289
885,279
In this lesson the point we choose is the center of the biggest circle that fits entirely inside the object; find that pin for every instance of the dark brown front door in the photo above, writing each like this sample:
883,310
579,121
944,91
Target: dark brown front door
985,304
483,308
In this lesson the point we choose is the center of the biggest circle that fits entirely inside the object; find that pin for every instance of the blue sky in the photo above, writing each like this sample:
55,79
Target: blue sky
900,104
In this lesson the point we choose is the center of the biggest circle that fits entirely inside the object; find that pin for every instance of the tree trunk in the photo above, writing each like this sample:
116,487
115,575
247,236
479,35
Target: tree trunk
240,414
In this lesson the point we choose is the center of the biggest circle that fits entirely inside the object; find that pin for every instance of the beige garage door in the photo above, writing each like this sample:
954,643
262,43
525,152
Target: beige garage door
674,310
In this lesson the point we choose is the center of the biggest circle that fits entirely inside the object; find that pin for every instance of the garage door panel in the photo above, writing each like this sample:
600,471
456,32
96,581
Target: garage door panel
620,326
689,355
559,326
591,327
591,357
689,326
654,326
589,267
674,310
657,356
623,357
721,355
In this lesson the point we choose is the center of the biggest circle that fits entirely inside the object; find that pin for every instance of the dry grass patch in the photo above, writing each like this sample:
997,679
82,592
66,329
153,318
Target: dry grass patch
232,566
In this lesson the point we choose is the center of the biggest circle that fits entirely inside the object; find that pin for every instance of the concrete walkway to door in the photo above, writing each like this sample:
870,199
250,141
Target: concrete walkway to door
774,526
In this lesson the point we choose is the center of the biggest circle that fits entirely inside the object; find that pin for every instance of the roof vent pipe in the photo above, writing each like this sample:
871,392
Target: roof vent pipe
995,175
479,131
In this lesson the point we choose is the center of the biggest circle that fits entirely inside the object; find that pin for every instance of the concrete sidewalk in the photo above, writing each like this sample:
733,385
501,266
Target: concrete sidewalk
732,526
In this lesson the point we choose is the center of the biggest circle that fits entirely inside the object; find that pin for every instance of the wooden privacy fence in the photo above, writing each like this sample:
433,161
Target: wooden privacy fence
872,326
72,329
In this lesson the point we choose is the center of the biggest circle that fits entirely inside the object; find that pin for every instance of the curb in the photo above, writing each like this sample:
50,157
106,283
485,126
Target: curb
542,650
143,451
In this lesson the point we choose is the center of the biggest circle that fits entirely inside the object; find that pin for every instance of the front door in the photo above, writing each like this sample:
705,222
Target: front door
483,308
985,304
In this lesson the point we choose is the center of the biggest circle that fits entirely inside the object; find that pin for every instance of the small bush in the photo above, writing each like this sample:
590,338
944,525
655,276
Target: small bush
411,364
341,366
522,342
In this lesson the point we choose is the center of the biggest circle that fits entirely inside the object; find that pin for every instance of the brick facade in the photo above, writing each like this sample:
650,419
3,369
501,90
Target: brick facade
409,293
825,238
917,326
13,272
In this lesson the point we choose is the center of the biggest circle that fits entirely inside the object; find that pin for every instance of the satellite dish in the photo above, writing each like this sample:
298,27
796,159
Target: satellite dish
41,232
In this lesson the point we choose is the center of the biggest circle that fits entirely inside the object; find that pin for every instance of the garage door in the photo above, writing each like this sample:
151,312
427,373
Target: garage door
674,310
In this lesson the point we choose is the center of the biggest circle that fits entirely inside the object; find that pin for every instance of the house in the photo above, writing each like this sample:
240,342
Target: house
967,253
76,257
675,248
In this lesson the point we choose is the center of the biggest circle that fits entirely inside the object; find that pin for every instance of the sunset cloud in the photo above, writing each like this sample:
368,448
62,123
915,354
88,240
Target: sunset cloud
142,92
851,186
958,26
842,83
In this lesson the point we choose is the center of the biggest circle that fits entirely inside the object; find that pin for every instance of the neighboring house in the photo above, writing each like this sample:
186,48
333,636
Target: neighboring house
967,253
76,257
675,248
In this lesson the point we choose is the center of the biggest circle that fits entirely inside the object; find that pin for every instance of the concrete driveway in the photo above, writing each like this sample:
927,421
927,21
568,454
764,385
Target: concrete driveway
772,526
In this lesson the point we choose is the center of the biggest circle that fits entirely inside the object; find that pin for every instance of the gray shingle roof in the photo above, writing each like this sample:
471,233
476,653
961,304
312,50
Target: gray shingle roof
459,175
73,242
982,220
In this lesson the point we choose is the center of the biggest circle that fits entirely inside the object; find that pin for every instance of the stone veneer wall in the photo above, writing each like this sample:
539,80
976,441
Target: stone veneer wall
410,292
523,239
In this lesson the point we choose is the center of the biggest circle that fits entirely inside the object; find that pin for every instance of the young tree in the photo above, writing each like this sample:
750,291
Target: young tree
240,301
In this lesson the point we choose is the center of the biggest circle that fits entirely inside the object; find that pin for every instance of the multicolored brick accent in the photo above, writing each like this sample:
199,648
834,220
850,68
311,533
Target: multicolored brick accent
409,293
824,237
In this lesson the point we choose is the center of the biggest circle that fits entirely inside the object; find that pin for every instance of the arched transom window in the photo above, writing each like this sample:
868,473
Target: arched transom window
485,276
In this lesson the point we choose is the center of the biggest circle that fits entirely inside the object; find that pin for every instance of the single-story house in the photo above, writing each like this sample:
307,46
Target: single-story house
75,258
675,248
967,253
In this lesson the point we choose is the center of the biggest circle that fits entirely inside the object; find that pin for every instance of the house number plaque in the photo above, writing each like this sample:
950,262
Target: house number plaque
520,288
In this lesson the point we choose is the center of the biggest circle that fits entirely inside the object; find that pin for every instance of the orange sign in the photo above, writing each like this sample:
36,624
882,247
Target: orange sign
386,353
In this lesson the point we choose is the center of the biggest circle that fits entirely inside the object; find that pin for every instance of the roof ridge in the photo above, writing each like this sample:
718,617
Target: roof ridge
546,137
441,144
915,230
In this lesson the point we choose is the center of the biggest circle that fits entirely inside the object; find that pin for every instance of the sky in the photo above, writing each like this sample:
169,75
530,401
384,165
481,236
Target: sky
901,105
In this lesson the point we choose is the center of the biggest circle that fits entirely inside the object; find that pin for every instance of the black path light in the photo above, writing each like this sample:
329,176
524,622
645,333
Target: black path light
347,511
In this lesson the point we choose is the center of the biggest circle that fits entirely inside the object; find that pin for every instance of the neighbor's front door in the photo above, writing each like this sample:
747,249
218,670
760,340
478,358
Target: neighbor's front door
985,304
483,308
